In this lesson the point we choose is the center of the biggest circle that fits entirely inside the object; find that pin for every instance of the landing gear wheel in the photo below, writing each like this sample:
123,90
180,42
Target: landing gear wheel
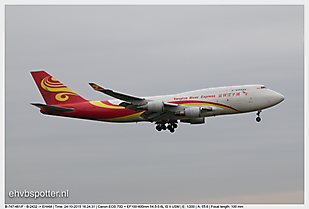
158,127
258,119
169,127
163,127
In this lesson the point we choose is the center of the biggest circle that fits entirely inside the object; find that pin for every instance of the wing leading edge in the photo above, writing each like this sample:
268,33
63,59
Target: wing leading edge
117,95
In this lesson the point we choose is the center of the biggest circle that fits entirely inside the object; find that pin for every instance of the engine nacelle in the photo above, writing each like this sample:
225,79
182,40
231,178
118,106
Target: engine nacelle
213,109
193,112
154,106
190,112
194,120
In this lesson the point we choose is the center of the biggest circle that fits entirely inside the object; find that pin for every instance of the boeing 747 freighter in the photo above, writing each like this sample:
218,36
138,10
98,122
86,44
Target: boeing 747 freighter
165,111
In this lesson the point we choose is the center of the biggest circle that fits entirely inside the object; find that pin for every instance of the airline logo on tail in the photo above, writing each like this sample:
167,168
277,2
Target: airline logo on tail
51,84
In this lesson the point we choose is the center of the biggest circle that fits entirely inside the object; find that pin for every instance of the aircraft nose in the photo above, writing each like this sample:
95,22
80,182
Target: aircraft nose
282,97
277,98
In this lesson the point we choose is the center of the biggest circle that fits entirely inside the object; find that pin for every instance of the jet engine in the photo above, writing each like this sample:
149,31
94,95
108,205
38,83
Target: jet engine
190,112
154,106
194,120
195,112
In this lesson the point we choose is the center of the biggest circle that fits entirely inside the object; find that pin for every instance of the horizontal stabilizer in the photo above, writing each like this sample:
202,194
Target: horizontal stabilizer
117,95
52,108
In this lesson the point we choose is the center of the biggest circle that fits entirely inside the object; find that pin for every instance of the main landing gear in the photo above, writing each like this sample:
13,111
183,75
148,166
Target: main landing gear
258,119
171,127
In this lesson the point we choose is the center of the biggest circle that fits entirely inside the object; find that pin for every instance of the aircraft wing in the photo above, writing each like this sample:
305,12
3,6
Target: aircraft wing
117,95
139,104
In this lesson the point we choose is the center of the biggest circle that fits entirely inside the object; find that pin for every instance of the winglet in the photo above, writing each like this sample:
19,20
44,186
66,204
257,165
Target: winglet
95,86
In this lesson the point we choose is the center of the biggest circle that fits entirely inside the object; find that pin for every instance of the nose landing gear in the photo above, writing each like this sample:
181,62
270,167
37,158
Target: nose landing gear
258,119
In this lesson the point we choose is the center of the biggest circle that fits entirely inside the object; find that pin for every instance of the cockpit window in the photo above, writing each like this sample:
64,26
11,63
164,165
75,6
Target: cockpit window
263,87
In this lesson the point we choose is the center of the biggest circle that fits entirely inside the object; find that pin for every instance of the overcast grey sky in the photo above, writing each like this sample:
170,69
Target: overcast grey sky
155,50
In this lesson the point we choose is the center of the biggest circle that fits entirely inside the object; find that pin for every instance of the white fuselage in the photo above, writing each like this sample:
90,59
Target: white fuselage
225,100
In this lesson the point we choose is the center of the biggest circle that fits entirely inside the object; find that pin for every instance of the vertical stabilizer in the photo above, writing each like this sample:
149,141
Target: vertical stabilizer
53,91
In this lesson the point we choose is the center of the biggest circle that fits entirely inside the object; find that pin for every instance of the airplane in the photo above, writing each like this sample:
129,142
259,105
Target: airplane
165,111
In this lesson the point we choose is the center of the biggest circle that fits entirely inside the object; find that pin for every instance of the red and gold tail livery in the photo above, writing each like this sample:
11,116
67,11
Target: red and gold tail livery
165,111
53,91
